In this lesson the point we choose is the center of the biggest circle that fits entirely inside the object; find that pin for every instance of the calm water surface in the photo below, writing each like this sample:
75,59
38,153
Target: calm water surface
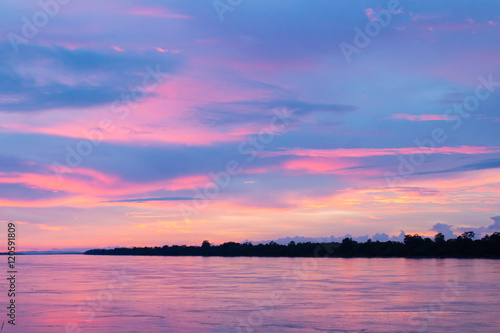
78,293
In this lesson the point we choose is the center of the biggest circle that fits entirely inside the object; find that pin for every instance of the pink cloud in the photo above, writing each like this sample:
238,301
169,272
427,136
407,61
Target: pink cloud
370,13
317,164
422,117
90,188
168,117
156,12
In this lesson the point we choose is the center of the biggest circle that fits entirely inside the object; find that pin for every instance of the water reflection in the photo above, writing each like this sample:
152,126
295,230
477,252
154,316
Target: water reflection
77,293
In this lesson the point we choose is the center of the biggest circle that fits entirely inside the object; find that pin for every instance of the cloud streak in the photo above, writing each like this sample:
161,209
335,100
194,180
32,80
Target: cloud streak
151,199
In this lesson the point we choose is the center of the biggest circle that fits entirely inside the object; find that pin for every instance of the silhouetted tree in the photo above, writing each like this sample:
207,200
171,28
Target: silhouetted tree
414,246
439,238
469,235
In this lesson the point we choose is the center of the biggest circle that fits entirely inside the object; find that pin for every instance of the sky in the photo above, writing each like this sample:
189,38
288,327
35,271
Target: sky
144,123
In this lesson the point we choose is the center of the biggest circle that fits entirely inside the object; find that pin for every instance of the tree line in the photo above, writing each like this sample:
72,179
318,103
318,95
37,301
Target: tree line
414,246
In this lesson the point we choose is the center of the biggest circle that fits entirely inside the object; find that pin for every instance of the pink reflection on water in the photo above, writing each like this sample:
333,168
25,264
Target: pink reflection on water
77,293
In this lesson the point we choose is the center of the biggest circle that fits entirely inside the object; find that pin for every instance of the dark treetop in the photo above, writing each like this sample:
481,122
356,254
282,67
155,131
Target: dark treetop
414,246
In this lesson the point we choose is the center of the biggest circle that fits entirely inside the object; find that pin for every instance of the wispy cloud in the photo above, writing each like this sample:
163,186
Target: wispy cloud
422,117
156,12
493,163
150,199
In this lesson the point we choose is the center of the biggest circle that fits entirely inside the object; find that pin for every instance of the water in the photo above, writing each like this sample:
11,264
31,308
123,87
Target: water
195,294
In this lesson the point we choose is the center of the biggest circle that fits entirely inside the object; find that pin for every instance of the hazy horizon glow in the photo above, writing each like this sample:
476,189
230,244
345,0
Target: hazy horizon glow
113,122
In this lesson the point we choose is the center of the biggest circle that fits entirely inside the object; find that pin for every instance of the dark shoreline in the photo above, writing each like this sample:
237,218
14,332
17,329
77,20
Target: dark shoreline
40,254
414,247
328,257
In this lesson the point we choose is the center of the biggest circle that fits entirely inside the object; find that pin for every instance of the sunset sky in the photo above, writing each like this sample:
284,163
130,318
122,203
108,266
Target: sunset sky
116,117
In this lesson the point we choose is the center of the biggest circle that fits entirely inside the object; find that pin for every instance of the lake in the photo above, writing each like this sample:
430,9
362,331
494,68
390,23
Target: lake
80,293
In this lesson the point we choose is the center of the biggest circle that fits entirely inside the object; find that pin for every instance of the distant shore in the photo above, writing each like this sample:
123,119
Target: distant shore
414,246
30,253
